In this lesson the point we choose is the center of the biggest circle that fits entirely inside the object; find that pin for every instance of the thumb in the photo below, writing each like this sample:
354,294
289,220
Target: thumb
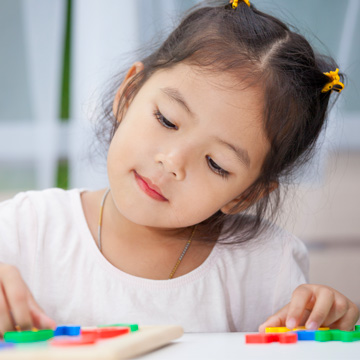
276,320
39,318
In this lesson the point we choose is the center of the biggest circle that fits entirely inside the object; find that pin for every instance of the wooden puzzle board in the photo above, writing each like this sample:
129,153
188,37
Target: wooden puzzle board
146,339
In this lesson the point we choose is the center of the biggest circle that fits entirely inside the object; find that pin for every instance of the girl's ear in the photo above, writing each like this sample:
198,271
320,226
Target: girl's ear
229,207
135,69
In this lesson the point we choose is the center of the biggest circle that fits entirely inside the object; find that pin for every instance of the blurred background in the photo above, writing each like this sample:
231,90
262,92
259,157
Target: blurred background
56,57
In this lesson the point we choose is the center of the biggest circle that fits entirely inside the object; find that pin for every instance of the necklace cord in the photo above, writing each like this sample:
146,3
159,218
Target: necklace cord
173,271
101,217
182,254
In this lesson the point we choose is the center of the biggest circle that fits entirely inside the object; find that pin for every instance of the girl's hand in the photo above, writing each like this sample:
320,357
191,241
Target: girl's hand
315,306
18,309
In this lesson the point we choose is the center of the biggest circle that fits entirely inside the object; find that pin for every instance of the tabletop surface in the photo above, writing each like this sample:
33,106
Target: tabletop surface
232,346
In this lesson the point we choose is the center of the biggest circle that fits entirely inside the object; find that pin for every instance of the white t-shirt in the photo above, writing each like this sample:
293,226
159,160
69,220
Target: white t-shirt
45,235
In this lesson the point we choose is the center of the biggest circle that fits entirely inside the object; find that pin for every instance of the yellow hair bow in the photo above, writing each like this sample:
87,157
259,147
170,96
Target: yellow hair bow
335,83
235,3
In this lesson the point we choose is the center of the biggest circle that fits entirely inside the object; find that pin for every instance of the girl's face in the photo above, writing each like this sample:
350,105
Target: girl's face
188,145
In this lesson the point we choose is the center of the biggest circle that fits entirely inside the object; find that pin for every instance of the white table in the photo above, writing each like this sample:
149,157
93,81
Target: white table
228,346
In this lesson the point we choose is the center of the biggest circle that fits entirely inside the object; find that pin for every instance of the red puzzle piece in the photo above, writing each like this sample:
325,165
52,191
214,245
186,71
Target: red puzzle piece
106,332
282,338
75,340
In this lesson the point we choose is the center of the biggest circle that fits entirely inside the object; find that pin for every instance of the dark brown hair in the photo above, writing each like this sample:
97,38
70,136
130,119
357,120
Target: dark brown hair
259,49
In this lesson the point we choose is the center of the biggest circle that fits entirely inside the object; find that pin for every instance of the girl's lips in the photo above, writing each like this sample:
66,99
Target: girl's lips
149,188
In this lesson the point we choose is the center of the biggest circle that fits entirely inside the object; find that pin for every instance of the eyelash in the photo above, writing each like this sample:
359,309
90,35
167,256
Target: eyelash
211,163
216,168
163,121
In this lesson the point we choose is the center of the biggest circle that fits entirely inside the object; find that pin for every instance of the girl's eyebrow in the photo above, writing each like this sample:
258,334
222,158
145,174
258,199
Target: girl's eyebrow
174,94
241,153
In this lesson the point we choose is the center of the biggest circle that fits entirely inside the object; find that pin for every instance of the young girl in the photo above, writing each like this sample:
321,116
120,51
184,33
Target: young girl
202,131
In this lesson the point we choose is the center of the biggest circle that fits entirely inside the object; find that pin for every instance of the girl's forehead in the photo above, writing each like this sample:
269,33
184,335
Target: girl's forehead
202,77
206,95
219,103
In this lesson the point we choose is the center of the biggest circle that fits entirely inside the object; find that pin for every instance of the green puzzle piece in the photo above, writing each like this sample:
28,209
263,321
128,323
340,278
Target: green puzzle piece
337,335
28,336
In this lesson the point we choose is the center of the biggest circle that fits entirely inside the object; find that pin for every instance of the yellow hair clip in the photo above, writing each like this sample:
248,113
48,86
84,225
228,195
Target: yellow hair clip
235,3
335,83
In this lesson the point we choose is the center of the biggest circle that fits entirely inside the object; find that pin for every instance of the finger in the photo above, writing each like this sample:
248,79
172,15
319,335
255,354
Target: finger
276,320
15,291
304,318
280,320
348,321
40,319
338,310
6,323
325,299
301,299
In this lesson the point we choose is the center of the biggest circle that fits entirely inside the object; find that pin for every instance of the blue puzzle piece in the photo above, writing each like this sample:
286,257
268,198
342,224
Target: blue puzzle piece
73,330
4,345
60,330
306,334
67,330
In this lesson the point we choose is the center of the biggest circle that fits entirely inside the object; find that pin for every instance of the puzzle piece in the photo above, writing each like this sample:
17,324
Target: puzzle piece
337,335
4,345
283,329
304,335
276,329
106,332
75,340
67,330
28,336
282,338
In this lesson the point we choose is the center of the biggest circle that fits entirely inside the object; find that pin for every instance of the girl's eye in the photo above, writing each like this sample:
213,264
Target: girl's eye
212,164
216,168
163,121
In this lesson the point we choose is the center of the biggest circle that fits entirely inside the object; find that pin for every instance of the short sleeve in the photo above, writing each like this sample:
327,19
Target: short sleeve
293,270
18,233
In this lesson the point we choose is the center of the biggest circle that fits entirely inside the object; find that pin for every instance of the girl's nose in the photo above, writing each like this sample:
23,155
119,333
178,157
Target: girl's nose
172,163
